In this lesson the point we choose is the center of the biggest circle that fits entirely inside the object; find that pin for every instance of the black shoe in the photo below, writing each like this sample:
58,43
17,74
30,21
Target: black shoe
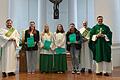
106,74
4,74
82,70
99,74
89,71
11,74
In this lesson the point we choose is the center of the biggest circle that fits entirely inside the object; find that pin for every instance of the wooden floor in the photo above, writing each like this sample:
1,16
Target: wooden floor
66,76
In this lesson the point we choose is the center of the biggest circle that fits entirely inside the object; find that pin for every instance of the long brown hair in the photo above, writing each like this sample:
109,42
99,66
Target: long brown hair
62,31
73,25
34,31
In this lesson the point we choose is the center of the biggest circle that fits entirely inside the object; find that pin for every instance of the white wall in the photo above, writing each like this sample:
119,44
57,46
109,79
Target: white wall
85,11
3,12
23,11
19,14
41,14
33,11
109,9
72,12
82,10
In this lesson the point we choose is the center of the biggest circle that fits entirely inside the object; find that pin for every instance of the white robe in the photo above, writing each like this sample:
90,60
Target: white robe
43,38
59,40
9,53
86,54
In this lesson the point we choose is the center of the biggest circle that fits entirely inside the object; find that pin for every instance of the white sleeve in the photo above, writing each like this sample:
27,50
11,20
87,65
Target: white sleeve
16,36
94,38
106,38
41,41
51,40
63,41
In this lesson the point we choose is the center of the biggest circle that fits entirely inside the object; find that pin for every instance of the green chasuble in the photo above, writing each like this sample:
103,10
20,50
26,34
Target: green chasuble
101,48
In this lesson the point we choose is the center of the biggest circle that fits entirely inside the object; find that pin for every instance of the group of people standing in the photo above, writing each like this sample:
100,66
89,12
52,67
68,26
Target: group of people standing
84,46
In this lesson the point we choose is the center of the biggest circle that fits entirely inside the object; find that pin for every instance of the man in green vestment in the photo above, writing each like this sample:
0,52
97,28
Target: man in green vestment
100,43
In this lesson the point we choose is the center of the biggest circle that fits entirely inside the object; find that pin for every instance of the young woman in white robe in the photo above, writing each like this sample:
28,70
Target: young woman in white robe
46,60
60,56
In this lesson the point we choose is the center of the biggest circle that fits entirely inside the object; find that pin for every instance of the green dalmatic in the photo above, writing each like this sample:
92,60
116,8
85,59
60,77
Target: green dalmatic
101,48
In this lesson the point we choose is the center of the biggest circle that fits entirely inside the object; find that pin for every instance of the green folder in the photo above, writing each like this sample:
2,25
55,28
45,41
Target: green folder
60,50
47,44
30,42
72,38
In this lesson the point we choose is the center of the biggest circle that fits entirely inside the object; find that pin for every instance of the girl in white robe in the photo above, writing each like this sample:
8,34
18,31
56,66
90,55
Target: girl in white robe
46,54
60,56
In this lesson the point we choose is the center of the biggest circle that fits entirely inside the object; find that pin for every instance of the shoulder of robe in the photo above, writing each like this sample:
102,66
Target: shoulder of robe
67,33
81,28
106,26
26,30
77,31
42,33
63,33
88,28
50,33
94,26
55,33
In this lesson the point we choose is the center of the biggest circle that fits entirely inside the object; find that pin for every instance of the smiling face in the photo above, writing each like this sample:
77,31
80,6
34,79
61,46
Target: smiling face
9,23
100,20
46,28
59,27
85,24
32,25
72,27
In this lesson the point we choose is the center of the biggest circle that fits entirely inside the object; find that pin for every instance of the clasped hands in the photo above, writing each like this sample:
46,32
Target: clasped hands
100,35
75,42
12,39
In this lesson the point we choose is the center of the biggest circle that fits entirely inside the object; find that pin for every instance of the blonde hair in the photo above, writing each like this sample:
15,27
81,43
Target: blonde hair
44,31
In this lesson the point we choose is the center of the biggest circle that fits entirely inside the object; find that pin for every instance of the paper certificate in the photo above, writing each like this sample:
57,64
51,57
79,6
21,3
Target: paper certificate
47,44
30,42
60,50
72,38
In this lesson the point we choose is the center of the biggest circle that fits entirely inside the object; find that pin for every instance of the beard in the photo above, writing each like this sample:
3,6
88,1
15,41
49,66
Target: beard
9,26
